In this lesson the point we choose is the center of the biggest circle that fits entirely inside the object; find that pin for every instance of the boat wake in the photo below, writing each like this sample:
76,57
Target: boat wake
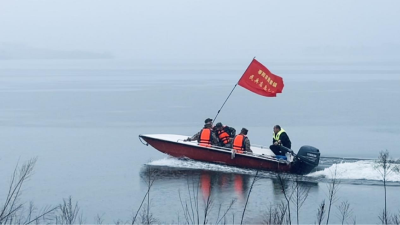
197,165
358,170
354,171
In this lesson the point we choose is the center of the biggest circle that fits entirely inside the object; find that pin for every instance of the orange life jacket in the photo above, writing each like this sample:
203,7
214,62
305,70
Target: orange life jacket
223,136
238,143
205,137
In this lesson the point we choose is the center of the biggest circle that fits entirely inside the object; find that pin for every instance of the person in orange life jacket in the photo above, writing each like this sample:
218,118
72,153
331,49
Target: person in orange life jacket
280,137
241,142
205,137
224,134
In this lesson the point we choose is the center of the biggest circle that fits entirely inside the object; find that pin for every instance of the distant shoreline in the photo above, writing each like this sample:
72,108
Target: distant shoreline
23,52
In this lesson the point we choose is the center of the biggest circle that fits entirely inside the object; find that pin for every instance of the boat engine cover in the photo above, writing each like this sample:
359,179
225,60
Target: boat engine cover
306,159
309,154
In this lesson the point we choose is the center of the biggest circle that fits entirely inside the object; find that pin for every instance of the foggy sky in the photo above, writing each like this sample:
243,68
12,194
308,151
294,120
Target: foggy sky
204,29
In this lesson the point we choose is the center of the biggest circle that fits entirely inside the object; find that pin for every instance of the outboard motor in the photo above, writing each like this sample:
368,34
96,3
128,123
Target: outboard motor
306,160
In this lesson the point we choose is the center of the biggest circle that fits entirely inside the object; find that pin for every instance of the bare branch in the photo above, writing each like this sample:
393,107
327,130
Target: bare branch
345,212
18,178
333,188
321,213
248,196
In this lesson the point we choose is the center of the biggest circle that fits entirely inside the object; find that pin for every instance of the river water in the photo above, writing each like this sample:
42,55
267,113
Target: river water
81,119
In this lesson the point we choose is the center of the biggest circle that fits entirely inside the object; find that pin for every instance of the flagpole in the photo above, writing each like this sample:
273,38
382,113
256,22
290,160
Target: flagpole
232,91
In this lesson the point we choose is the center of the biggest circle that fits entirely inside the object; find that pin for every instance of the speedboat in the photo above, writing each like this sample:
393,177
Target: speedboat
262,158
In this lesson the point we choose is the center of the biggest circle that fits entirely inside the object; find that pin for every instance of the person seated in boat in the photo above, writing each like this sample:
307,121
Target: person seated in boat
208,121
241,142
224,134
280,138
206,137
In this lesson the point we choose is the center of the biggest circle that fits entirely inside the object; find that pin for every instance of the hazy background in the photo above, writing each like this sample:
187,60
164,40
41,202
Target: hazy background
80,80
191,30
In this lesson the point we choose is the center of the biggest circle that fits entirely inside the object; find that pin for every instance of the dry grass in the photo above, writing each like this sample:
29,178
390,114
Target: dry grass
295,193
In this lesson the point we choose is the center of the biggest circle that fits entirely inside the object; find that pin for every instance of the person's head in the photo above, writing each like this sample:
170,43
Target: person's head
277,128
244,131
219,126
208,121
208,125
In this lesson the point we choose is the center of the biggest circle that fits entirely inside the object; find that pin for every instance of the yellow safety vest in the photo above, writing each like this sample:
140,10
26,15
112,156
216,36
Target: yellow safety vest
276,136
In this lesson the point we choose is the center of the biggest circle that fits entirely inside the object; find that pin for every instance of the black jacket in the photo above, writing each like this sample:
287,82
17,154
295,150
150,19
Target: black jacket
284,140
230,130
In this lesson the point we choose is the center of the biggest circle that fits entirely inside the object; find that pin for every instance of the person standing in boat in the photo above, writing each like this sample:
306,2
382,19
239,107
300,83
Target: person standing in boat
224,134
206,137
241,142
280,138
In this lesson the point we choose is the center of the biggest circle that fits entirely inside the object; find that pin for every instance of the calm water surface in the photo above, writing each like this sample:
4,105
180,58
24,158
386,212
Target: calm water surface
81,119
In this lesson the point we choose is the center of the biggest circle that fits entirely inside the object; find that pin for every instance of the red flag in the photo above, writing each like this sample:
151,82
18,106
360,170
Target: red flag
258,79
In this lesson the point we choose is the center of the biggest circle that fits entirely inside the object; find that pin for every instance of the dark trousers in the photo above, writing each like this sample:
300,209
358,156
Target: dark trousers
277,150
229,145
